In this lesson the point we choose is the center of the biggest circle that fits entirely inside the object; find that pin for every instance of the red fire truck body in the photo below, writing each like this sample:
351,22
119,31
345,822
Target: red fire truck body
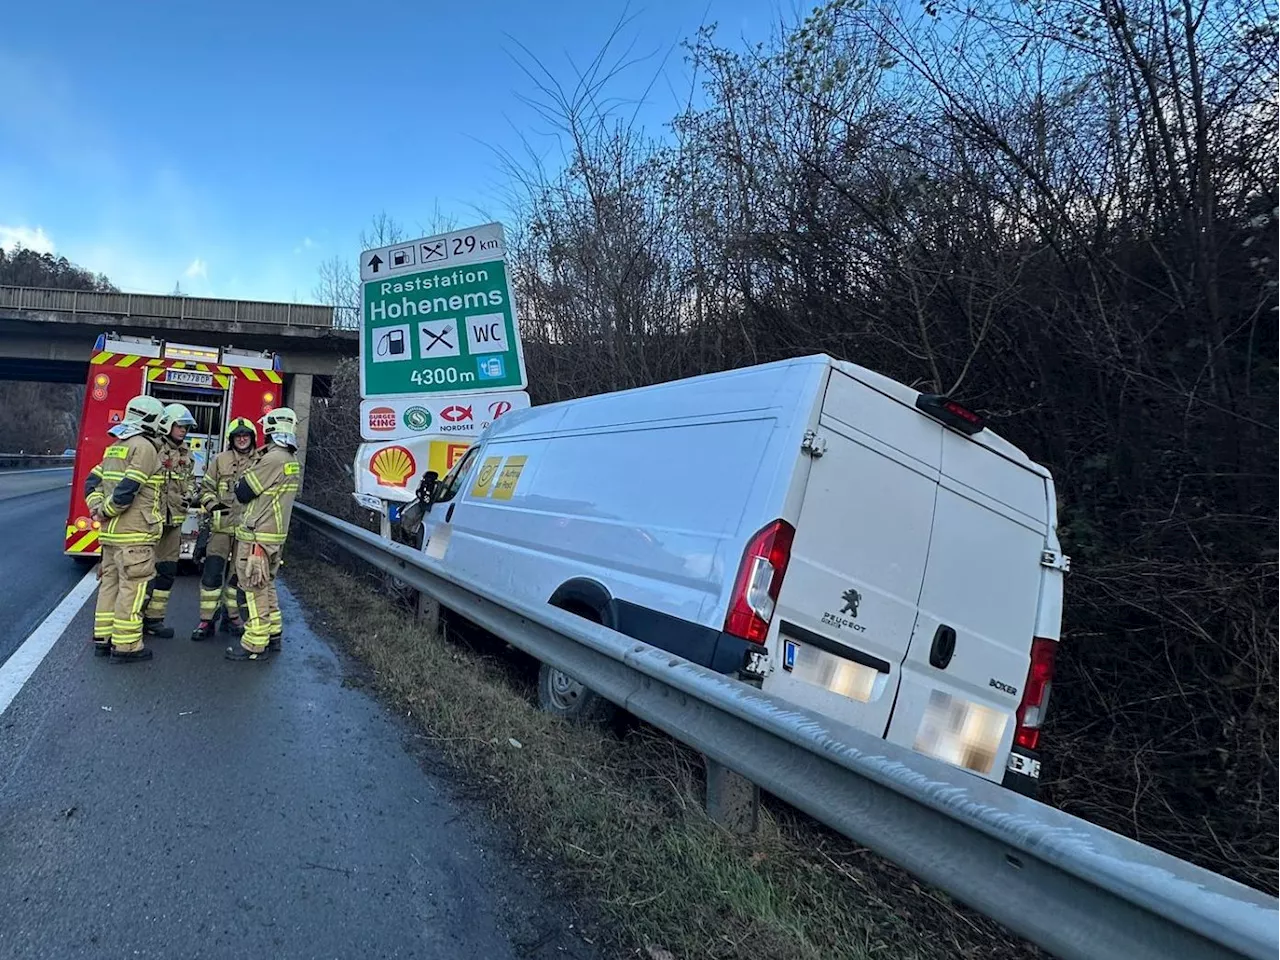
216,385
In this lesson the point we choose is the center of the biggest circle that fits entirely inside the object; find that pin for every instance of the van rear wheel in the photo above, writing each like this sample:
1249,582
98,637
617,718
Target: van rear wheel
562,696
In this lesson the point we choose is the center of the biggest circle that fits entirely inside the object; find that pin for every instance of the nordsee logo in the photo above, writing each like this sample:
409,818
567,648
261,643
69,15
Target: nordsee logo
417,418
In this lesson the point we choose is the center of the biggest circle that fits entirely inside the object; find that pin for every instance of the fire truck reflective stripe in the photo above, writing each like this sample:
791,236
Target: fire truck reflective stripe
155,374
249,373
86,542
127,361
103,357
155,362
273,376
71,528
223,382
203,367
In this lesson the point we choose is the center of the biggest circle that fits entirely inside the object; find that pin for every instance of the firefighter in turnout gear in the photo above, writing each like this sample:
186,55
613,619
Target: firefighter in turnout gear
124,494
267,491
218,586
178,464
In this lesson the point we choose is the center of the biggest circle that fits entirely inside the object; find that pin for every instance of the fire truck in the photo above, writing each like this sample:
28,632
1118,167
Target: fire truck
216,385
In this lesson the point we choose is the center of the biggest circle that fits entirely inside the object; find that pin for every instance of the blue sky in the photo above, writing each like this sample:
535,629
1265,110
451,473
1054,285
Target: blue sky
234,146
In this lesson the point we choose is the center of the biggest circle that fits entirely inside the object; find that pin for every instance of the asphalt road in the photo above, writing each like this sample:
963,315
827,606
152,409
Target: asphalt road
33,569
192,807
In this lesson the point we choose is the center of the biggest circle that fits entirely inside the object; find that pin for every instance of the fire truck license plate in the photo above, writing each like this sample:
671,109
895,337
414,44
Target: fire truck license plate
190,378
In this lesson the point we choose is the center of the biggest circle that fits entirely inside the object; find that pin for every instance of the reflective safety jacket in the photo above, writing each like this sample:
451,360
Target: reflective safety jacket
179,467
218,488
128,488
267,490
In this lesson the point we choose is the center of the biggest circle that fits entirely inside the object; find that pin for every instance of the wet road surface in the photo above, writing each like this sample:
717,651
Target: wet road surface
34,572
192,807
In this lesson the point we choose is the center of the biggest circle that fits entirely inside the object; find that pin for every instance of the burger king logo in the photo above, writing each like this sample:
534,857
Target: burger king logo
382,419
393,466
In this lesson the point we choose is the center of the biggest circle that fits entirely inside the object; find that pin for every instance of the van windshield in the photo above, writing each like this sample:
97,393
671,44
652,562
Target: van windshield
448,487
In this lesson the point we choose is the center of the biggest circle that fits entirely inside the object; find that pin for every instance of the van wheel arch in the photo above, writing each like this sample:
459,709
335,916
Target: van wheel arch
558,693
586,598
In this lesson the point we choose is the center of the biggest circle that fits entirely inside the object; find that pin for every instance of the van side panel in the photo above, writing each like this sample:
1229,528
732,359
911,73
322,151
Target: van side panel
969,652
848,602
642,509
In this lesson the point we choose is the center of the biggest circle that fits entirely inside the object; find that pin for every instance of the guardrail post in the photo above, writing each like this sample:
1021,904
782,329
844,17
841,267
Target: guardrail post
428,614
733,801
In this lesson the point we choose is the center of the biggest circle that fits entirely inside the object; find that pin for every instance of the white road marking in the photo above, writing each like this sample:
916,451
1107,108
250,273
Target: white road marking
17,670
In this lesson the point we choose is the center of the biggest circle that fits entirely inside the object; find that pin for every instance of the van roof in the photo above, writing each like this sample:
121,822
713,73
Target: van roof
906,395
876,381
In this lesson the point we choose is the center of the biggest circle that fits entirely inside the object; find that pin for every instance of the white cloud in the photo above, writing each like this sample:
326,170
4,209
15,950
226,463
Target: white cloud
11,238
197,268
306,244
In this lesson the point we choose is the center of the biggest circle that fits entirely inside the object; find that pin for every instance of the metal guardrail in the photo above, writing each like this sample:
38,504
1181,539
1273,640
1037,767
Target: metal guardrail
1077,890
141,305
19,460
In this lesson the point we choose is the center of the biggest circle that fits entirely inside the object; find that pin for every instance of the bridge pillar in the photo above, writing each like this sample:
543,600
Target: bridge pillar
298,397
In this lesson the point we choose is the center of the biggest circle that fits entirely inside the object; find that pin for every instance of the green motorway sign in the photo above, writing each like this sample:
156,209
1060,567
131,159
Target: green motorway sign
441,319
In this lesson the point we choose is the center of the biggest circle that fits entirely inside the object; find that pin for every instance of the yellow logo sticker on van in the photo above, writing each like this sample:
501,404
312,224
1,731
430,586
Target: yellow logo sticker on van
484,479
508,478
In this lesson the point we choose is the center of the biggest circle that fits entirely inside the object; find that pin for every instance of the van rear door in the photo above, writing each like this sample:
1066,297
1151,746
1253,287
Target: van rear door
843,620
970,650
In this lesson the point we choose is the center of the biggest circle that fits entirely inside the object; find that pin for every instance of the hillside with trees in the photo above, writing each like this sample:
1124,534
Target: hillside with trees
1063,216
42,417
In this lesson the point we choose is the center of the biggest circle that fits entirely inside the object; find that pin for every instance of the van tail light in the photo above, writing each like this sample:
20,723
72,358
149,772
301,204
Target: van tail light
755,591
1035,695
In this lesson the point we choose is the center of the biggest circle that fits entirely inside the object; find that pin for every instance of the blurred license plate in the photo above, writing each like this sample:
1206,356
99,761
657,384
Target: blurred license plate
830,671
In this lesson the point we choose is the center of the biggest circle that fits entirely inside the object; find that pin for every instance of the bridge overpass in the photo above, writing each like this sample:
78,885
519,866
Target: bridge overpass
48,335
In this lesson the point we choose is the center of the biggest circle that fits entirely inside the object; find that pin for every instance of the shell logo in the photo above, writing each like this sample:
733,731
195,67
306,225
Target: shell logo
393,466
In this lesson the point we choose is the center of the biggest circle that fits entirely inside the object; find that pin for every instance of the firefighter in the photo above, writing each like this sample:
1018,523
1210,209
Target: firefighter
178,464
267,491
124,494
218,586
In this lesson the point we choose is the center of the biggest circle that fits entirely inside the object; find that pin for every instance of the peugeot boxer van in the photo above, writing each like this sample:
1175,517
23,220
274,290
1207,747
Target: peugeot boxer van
845,542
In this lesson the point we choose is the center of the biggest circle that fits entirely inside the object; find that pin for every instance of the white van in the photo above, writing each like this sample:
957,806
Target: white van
849,544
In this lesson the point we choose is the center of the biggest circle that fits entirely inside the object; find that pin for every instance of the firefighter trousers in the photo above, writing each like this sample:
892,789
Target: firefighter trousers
262,603
218,582
122,592
167,551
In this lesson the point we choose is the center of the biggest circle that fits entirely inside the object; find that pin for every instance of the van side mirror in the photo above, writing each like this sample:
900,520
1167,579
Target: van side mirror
427,488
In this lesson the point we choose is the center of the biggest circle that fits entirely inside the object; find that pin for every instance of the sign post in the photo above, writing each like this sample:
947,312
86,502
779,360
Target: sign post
438,317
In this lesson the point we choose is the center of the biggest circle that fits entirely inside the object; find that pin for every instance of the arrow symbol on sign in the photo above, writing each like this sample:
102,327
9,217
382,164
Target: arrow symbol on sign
375,261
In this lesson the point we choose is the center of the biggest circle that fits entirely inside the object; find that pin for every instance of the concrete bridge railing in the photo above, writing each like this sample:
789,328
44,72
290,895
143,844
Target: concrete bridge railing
144,305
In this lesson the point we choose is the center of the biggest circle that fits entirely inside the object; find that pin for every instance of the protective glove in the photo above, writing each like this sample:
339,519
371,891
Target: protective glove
256,570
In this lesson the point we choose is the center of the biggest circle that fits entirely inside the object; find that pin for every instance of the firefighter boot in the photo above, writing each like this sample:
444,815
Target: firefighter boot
275,643
203,631
101,646
131,656
156,628
230,622
239,653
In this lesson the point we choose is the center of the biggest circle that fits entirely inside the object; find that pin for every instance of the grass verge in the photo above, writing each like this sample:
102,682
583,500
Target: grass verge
620,813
